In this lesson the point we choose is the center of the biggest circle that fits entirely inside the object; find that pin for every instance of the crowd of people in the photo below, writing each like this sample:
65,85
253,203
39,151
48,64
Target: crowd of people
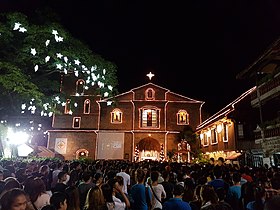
54,184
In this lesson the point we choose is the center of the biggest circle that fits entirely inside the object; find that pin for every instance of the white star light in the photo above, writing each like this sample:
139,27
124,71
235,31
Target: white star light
110,87
77,62
54,32
59,55
106,94
65,59
47,59
22,29
59,66
47,42
93,68
33,51
150,75
58,38
16,27
36,68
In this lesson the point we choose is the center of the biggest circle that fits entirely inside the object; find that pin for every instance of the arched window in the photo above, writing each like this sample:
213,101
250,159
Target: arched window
150,94
67,108
76,122
116,116
149,117
87,106
80,87
82,153
182,117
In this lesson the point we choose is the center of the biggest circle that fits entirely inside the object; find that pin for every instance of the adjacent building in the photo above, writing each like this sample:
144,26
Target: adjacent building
229,132
265,73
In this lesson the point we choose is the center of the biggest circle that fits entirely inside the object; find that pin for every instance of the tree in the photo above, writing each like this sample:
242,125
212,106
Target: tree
188,135
33,55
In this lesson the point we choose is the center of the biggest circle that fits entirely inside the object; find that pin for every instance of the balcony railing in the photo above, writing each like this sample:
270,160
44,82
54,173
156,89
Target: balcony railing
269,132
267,89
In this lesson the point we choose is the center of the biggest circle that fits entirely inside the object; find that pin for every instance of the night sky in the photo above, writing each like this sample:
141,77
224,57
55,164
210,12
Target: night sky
195,48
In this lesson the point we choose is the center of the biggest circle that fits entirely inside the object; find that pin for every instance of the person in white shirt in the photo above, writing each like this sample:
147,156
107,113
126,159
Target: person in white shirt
109,190
157,190
126,178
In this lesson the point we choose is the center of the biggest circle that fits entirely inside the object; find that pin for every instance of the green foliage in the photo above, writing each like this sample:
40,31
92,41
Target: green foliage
25,77
188,134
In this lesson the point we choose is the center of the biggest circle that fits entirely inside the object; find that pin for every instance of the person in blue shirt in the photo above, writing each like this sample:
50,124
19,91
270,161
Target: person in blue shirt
140,195
176,202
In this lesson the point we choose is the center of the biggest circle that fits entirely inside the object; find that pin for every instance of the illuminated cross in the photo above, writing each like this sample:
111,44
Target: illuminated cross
150,75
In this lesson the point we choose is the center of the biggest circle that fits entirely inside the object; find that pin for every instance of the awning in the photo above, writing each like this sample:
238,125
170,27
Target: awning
233,156
149,143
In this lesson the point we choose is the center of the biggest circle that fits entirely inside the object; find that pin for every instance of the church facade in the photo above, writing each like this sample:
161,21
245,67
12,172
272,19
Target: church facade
142,123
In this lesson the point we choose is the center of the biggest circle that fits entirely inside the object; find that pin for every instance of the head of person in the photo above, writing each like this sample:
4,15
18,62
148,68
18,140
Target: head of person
107,190
98,177
212,161
11,183
124,167
140,175
217,171
165,175
14,199
86,176
154,176
44,170
119,180
178,190
95,198
236,177
59,200
62,176
48,207
34,187
207,193
221,161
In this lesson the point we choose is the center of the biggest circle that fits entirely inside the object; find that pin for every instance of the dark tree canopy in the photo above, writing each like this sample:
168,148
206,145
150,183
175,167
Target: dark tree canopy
34,52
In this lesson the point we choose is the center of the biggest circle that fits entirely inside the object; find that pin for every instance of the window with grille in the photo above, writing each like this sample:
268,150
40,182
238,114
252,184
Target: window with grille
76,122
240,130
116,116
214,136
150,94
87,106
225,132
67,108
149,117
80,87
182,118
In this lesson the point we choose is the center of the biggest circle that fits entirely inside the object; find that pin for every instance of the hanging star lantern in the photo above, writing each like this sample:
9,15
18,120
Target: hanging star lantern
33,51
150,75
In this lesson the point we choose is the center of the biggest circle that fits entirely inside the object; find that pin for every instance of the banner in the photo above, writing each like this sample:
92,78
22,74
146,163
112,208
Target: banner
60,145
110,146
